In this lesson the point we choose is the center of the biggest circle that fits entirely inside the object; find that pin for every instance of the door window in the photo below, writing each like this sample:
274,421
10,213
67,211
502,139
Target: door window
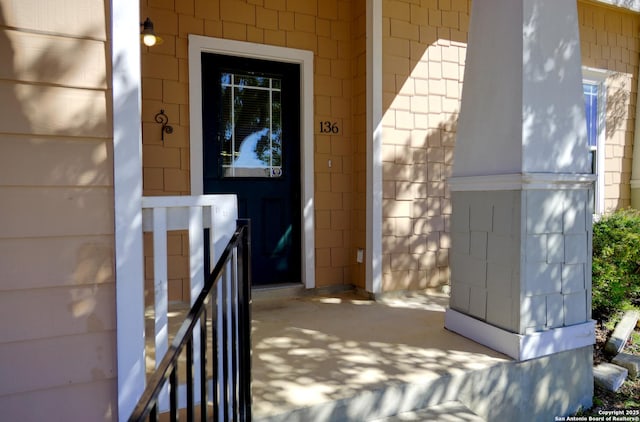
251,138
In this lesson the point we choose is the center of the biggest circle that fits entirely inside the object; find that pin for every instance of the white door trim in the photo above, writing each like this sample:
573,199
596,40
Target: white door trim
199,44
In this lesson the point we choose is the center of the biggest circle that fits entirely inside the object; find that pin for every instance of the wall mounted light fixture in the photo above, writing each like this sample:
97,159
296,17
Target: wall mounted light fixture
148,35
163,119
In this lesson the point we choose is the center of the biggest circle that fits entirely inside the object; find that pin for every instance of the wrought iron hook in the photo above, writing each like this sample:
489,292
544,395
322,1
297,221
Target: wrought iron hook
163,119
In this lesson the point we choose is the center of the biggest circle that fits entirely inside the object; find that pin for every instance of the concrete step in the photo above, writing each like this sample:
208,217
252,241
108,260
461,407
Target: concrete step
609,376
452,411
631,362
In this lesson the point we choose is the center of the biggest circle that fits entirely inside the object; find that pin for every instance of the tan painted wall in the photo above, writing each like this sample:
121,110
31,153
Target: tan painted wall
610,40
424,48
423,52
57,290
325,27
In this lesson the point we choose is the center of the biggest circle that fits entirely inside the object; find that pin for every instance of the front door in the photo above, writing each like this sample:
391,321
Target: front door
251,135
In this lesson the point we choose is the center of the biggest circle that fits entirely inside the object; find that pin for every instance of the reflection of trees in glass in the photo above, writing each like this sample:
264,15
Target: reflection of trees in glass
252,112
263,151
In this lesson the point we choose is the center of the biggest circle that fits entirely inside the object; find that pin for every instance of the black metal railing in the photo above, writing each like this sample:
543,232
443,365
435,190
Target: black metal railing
228,291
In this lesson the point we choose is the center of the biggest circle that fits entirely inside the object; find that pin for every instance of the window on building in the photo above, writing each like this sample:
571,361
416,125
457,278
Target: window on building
594,103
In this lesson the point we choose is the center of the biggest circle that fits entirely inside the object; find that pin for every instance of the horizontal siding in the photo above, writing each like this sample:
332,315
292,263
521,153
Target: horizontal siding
52,59
70,311
52,362
78,261
76,18
44,161
53,110
52,212
78,402
57,283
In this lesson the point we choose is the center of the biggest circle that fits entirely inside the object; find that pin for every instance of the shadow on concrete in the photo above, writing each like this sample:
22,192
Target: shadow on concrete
337,354
343,358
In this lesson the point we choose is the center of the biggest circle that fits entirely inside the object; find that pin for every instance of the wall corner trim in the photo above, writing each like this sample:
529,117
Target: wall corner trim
517,346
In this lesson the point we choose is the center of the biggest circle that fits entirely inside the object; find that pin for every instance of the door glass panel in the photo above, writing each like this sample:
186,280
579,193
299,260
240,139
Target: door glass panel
251,137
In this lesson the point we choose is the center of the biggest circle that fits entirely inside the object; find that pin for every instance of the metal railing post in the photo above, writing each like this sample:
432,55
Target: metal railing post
230,296
244,301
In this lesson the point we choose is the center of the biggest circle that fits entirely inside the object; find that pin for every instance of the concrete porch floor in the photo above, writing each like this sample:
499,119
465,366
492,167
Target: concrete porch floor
340,357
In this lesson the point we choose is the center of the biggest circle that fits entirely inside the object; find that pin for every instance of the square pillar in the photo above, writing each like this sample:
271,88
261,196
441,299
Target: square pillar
521,262
521,185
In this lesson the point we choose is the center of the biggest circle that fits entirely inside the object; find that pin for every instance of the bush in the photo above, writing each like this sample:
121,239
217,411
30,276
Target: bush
616,263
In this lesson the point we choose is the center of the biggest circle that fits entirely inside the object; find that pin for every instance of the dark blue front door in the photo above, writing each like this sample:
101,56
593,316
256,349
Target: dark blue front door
251,127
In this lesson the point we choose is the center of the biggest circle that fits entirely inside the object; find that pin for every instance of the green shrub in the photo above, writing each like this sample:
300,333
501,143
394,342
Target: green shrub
616,263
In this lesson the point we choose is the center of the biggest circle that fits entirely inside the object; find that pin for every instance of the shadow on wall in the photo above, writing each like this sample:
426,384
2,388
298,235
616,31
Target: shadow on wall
419,247
56,235
619,130
45,95
618,103
553,122
421,100
554,130
13,110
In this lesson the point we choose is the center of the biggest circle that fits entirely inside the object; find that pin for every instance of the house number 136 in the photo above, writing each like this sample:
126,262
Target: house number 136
329,127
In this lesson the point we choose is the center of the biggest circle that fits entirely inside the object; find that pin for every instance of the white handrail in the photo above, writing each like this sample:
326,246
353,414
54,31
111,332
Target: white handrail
161,214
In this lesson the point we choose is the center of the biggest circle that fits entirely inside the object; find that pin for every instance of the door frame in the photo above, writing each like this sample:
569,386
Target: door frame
199,44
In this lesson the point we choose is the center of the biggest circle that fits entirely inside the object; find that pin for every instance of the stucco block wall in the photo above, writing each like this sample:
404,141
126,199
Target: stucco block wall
558,259
424,48
57,286
516,270
610,40
485,256
334,30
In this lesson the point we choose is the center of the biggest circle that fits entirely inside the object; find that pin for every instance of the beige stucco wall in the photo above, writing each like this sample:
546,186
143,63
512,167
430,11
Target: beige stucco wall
610,40
57,291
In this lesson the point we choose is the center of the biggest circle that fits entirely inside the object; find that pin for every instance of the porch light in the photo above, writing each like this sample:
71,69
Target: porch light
148,35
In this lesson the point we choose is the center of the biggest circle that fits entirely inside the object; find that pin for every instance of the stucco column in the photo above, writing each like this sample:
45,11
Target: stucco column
521,188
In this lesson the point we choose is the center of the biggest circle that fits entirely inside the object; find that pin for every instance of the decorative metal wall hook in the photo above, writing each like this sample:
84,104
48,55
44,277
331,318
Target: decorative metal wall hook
163,119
